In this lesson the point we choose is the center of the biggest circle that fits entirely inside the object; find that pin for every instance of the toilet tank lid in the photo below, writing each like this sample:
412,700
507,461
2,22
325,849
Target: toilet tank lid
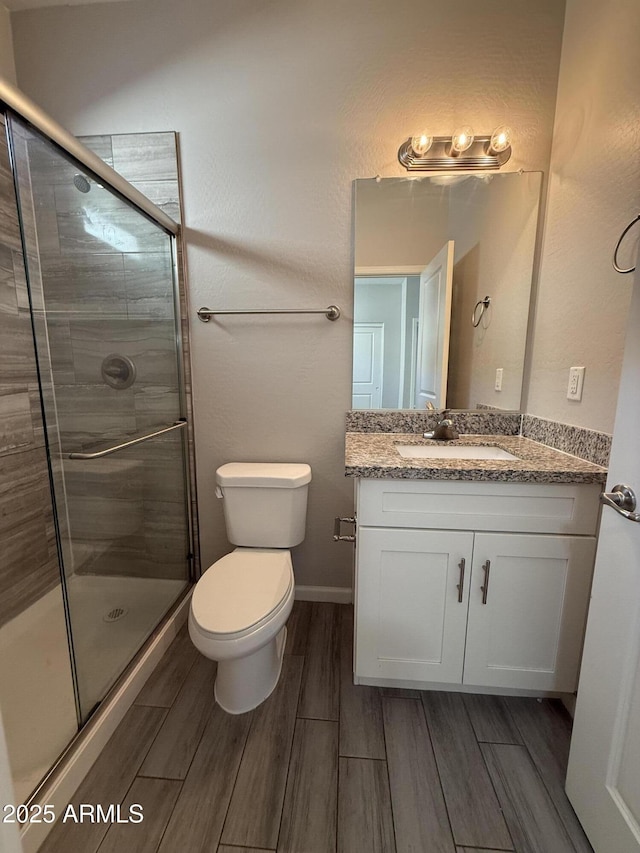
273,475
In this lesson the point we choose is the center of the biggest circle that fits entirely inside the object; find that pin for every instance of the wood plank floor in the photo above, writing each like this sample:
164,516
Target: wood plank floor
326,767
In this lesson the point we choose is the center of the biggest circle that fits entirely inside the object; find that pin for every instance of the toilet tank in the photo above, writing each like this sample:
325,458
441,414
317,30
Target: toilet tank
265,503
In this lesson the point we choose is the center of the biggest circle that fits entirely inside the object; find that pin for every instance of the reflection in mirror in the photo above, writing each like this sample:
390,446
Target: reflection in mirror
428,253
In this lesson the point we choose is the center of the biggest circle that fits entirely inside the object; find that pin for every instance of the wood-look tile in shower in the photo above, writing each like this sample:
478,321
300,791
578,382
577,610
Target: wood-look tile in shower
16,426
92,414
100,145
85,284
166,537
46,219
163,480
150,344
149,285
60,350
17,364
145,156
155,405
8,297
24,508
46,166
8,209
22,294
105,226
164,194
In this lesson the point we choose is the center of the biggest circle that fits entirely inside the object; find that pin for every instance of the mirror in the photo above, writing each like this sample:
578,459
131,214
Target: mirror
443,271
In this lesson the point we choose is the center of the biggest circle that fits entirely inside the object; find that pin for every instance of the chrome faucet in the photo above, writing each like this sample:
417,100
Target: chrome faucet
445,430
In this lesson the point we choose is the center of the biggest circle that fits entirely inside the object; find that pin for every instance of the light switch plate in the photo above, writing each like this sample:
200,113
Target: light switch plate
576,381
498,385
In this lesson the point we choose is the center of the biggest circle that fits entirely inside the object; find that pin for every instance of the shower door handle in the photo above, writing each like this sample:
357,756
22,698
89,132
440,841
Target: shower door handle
98,454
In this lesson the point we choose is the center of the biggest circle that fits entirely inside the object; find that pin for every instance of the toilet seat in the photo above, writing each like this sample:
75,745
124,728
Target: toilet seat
241,592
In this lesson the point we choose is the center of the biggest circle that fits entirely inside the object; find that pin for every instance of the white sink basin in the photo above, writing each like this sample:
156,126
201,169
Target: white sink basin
448,451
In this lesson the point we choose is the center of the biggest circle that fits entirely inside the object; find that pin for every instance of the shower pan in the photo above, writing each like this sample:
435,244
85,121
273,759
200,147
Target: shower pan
108,400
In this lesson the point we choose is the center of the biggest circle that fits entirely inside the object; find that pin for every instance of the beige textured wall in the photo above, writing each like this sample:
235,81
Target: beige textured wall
494,252
7,61
594,192
280,104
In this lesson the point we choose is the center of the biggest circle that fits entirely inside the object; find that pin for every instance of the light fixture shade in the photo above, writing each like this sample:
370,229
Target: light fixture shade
461,140
500,140
421,143
463,150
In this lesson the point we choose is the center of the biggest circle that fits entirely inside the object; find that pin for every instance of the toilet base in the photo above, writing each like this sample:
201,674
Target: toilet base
244,683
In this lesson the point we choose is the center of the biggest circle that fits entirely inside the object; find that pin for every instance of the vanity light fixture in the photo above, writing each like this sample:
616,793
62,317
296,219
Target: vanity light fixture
462,150
462,140
421,143
500,140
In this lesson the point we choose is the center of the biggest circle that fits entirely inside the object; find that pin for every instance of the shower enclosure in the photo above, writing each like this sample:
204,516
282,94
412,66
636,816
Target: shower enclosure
93,451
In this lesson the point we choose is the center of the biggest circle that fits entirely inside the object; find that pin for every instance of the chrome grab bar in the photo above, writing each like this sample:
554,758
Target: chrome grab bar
99,453
622,498
331,313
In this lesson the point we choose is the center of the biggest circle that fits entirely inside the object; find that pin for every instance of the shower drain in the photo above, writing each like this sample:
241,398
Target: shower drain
115,614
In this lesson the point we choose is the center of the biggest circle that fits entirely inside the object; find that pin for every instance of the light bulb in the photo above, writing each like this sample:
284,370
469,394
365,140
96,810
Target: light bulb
461,140
500,140
421,143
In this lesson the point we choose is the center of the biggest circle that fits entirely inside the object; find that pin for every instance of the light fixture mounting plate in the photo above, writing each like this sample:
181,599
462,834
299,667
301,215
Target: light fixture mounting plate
439,159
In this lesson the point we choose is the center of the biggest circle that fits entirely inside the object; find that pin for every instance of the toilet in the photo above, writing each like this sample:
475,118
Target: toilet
241,603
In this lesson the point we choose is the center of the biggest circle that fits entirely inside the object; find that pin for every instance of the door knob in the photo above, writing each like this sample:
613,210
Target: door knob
622,498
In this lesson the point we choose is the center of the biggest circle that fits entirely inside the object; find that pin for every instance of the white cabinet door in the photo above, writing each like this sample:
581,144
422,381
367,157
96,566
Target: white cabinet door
527,609
410,623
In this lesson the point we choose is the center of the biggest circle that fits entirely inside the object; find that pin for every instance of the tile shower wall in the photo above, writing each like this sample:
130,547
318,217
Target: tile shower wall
117,301
29,562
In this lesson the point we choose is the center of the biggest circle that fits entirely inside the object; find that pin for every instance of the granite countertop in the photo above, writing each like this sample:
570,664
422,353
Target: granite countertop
373,455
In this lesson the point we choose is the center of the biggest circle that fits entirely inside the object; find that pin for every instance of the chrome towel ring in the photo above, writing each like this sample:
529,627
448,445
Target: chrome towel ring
615,251
476,317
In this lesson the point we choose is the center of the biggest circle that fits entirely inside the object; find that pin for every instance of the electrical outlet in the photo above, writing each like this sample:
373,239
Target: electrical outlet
498,385
576,381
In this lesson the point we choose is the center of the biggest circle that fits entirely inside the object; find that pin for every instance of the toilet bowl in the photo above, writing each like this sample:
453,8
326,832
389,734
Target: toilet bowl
240,605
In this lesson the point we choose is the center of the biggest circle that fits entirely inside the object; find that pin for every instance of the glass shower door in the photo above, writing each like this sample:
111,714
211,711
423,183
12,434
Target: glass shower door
101,287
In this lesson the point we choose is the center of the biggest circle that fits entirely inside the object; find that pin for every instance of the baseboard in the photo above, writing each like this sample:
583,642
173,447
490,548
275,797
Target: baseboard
337,594
65,780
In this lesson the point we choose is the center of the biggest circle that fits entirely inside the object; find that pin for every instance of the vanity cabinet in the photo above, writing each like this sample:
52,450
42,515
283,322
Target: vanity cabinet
478,585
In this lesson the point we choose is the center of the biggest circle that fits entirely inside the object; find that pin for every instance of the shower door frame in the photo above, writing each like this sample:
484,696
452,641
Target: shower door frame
14,103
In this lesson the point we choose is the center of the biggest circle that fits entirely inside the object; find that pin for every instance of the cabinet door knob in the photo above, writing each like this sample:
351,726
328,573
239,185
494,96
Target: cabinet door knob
485,586
460,584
